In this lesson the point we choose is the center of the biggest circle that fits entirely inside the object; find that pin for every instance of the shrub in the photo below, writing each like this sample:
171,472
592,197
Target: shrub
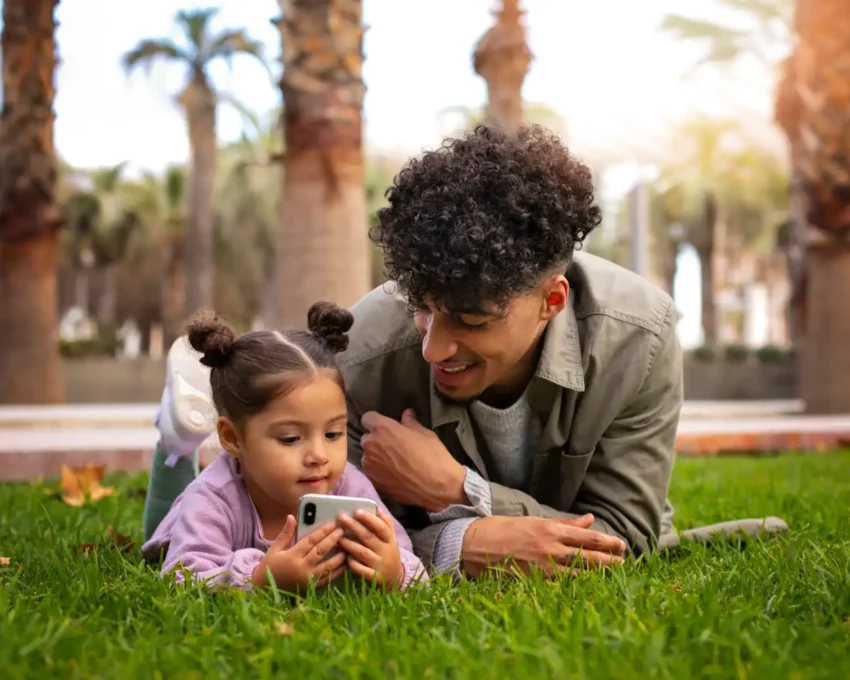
773,354
737,353
105,343
705,353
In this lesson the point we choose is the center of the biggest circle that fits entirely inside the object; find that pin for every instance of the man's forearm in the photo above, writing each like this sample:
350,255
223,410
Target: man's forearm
455,519
507,502
476,501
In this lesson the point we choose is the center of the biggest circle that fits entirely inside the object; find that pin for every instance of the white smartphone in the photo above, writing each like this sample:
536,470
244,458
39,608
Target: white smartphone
316,510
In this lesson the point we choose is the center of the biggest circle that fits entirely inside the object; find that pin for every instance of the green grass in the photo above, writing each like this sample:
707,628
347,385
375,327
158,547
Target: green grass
778,609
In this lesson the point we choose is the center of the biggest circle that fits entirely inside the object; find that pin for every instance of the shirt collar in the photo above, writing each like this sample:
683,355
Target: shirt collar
559,364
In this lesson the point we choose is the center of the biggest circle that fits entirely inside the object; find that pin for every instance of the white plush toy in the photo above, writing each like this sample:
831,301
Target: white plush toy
186,416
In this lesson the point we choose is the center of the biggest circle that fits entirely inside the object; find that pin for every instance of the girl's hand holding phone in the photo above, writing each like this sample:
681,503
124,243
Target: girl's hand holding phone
373,553
293,568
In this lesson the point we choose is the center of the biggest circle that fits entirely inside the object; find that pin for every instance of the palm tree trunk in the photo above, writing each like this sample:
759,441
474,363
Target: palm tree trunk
173,302
106,306
323,247
268,298
825,359
199,104
81,288
502,58
818,120
30,368
706,250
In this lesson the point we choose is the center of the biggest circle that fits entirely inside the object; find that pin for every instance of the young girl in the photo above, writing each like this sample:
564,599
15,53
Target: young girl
282,425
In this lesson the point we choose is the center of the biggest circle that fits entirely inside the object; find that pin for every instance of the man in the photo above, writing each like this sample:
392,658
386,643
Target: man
518,401
552,383
524,395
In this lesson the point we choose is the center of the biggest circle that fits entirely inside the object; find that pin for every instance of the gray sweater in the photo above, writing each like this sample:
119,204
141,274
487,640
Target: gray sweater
511,435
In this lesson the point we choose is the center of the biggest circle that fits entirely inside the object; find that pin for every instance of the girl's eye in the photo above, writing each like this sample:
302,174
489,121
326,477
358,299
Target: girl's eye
333,436
288,441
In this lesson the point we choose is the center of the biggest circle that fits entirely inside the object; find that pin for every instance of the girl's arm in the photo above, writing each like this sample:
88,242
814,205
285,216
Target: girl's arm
202,541
355,483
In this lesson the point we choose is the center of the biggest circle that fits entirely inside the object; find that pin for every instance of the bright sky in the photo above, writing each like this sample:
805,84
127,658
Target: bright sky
602,64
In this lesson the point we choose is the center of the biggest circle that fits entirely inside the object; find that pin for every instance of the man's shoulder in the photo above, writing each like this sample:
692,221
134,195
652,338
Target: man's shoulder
603,288
383,366
382,325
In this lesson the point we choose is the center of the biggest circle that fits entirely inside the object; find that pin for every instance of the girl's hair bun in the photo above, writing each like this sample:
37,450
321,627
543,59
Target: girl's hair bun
210,335
330,324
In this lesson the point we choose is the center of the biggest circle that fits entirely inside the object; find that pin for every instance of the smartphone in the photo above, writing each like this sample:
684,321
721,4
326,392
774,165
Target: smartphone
316,510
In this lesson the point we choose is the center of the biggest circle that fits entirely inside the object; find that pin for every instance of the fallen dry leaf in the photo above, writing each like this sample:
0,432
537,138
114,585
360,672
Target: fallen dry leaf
113,540
120,540
82,484
5,561
285,628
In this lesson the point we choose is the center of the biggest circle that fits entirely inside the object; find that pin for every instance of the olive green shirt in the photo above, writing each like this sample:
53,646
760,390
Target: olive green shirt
608,391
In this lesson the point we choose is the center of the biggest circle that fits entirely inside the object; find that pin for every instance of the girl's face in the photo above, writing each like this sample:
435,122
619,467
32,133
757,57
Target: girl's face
296,445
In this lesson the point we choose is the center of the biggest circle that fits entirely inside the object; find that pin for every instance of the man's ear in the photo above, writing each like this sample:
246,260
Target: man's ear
229,436
555,295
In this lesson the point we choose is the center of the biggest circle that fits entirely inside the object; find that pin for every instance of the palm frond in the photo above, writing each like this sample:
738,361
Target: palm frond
765,11
175,187
228,44
248,116
107,179
84,210
724,44
149,51
195,24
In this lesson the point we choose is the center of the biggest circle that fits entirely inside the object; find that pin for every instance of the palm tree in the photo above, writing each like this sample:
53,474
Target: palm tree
102,224
462,118
198,100
248,207
700,178
770,34
502,58
814,109
322,245
160,203
30,368
767,35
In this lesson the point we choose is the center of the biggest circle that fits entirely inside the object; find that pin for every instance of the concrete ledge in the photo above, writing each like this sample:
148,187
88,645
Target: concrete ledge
29,466
106,380
764,443
32,464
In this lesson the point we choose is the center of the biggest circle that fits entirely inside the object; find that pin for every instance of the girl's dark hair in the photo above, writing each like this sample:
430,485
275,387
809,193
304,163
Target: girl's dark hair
250,370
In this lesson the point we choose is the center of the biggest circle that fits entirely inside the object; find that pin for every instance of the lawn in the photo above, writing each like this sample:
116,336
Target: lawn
778,609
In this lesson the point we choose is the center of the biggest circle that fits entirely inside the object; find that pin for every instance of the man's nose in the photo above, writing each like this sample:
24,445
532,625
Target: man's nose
437,344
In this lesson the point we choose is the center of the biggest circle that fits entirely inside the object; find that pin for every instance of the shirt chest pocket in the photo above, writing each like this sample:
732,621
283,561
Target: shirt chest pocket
558,476
572,469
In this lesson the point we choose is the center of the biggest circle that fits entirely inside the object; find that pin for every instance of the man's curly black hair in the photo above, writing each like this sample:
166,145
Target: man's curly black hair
485,217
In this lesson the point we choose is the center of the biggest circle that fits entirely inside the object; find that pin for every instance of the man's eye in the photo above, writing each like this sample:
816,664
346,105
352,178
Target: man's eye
473,326
333,436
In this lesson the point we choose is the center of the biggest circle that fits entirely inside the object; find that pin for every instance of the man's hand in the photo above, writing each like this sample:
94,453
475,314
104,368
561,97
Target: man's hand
527,543
408,463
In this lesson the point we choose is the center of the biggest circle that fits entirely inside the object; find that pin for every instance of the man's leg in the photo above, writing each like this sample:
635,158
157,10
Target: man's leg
186,417
724,532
